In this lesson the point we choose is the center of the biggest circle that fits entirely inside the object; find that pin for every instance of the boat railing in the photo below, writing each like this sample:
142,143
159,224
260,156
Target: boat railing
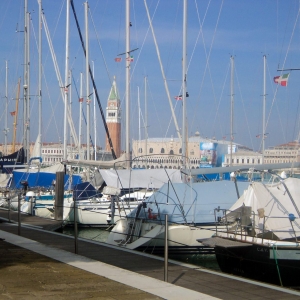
243,223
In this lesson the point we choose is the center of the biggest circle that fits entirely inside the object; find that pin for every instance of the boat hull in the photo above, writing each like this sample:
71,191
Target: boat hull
262,263
150,237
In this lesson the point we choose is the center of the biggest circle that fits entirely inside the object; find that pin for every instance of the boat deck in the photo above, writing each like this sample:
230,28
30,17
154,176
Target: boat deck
196,279
226,243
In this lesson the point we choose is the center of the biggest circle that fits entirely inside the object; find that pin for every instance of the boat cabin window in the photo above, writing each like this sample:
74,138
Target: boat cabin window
131,199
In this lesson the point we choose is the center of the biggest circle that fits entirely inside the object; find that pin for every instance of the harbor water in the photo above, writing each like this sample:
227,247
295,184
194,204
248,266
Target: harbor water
100,235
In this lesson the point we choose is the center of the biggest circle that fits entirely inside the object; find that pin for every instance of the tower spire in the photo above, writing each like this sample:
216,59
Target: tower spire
113,119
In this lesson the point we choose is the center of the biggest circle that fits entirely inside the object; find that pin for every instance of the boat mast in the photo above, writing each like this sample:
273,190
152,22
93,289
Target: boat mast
146,120
95,120
16,117
70,108
163,75
80,115
184,79
86,6
231,106
26,87
6,108
139,109
59,79
66,77
40,79
264,113
127,93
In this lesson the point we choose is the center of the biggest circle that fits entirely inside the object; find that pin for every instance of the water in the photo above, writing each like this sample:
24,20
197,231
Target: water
100,235
95,234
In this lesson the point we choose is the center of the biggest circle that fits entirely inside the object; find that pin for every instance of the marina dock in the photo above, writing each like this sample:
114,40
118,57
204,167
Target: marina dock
121,274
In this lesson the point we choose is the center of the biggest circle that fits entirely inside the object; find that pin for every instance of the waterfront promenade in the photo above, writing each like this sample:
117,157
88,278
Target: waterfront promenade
45,266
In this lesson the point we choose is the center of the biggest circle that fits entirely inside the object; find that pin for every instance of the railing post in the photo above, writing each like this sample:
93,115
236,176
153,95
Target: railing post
19,214
166,249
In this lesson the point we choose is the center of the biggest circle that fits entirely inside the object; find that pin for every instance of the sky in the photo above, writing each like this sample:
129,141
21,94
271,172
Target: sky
216,31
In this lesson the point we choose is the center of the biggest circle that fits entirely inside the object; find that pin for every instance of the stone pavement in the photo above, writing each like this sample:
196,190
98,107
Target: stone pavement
28,275
58,274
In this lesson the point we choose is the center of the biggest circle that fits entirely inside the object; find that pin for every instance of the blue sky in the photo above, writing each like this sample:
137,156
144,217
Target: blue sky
245,29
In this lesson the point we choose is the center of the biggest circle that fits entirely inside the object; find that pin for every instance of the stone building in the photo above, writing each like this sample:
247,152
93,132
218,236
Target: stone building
156,153
285,153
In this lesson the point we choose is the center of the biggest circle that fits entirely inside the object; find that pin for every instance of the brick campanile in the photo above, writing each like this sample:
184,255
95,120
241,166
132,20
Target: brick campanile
113,119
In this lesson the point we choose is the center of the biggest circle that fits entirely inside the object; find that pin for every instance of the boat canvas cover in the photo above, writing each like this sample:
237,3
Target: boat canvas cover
4,178
41,177
145,178
277,205
191,203
11,161
85,190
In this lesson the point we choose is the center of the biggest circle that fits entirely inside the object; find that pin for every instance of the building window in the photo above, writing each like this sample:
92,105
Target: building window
140,150
237,160
171,152
253,160
151,150
258,161
247,160
192,152
162,150
180,151
242,160
111,114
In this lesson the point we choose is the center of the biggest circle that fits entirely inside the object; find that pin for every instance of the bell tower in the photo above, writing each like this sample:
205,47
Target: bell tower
113,119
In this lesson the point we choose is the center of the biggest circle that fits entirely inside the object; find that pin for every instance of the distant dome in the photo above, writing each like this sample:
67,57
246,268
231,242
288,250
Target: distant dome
197,133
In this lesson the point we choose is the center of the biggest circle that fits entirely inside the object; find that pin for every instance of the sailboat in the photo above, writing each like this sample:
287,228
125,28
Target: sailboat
188,205
261,240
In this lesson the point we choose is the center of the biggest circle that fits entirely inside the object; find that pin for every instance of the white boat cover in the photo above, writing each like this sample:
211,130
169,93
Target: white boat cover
141,178
191,203
117,163
4,178
51,169
277,205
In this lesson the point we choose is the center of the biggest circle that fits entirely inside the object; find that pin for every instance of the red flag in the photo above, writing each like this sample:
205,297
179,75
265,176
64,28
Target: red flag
80,99
12,113
118,59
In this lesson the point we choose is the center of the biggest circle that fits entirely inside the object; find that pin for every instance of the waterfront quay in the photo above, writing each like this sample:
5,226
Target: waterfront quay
38,263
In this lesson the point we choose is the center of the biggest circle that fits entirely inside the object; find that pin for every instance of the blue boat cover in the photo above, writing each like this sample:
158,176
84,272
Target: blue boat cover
85,190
